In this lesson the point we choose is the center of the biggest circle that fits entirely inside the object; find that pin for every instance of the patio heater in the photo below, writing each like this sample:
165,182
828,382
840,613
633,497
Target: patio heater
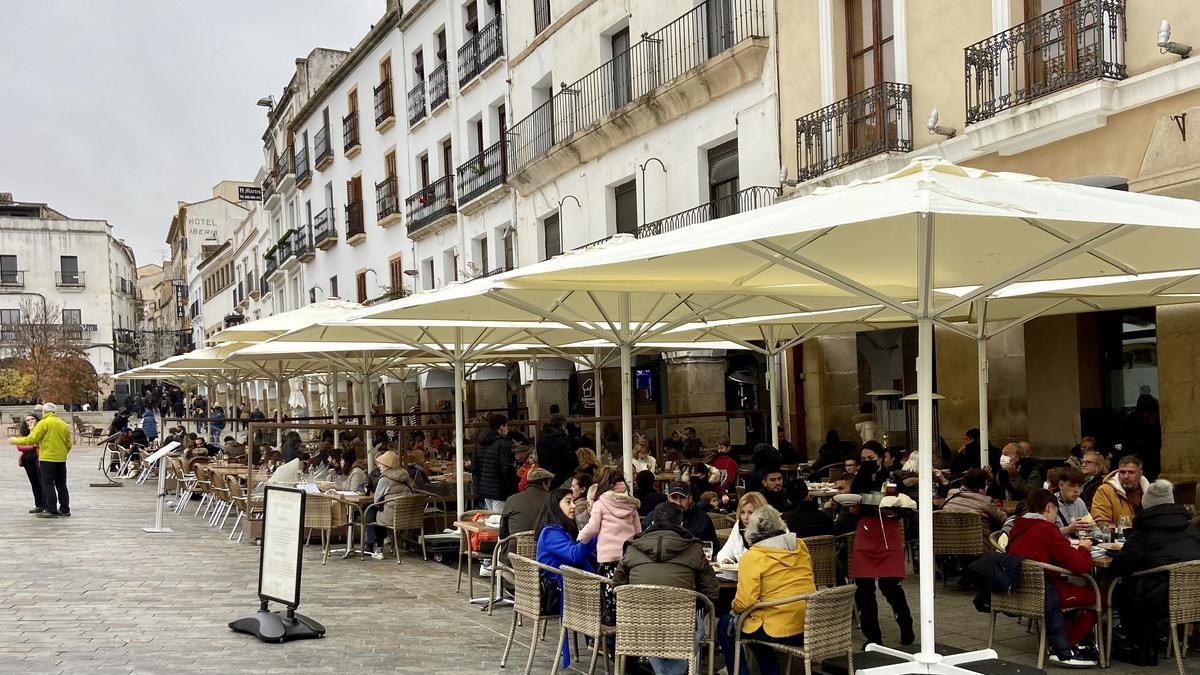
913,426
885,403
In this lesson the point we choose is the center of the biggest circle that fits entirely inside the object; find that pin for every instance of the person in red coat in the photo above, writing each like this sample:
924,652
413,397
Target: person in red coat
879,556
1036,537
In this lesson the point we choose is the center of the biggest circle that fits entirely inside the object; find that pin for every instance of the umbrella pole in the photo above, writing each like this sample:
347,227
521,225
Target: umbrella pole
459,438
597,391
626,389
333,389
279,403
925,473
773,388
981,345
533,402
366,400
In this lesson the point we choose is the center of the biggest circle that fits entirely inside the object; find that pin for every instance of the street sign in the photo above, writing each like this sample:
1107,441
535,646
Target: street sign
249,193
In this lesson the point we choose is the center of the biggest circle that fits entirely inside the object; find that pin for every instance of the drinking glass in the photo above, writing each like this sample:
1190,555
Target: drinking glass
708,550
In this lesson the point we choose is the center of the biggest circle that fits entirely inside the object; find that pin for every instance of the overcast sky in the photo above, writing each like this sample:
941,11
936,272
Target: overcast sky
117,109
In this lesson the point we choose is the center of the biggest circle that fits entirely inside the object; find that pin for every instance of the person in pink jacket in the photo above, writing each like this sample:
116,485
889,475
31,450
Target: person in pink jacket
614,520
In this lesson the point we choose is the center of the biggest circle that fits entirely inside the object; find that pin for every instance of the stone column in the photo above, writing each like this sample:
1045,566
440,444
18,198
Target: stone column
696,381
1179,390
830,387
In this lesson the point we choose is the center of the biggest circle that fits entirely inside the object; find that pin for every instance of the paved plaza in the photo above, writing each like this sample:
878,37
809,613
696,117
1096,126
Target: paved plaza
94,593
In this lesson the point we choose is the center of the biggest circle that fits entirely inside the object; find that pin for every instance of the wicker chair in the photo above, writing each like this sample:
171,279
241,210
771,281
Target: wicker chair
581,613
527,602
660,621
185,484
525,544
998,541
408,516
1028,599
845,547
203,485
1183,602
318,515
823,551
246,508
720,521
956,533
828,628
220,502
466,554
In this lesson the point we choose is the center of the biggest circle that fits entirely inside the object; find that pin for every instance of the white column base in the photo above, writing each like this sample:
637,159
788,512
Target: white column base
926,663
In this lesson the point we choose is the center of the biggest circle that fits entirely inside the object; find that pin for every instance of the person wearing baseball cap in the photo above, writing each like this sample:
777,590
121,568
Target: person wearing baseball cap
52,437
694,520
521,510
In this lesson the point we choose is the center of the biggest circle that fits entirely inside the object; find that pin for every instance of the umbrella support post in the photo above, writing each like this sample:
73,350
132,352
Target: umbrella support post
626,389
773,388
984,442
926,663
460,440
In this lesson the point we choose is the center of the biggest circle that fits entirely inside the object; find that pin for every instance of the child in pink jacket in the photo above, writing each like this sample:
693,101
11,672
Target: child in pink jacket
614,520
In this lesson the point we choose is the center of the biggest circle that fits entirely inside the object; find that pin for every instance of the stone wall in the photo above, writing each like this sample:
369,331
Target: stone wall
830,387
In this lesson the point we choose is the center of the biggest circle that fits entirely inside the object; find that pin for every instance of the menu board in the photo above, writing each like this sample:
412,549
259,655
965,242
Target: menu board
281,554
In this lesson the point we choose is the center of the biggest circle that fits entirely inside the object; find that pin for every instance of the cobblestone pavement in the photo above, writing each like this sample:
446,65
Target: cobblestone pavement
94,593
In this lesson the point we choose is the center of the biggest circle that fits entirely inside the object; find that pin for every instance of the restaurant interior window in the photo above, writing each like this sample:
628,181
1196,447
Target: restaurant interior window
626,207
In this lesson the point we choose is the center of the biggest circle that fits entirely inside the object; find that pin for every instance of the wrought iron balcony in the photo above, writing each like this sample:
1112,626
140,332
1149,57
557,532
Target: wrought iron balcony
126,340
416,103
743,200
686,43
1078,42
12,278
482,173
302,244
78,332
283,165
439,85
482,50
430,203
69,279
385,106
303,170
270,263
265,285
350,133
324,229
255,289
354,222
323,148
268,186
387,201
286,247
493,272
869,123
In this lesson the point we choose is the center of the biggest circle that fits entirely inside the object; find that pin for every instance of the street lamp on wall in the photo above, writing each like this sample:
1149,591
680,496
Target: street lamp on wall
642,167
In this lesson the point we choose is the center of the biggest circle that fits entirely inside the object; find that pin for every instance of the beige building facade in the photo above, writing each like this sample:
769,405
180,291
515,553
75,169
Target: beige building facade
1076,91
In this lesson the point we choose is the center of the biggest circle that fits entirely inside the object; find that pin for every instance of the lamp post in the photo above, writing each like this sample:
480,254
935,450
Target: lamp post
642,167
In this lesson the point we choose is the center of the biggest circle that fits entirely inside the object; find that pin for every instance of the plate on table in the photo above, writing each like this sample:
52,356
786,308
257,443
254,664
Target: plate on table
1112,547
728,567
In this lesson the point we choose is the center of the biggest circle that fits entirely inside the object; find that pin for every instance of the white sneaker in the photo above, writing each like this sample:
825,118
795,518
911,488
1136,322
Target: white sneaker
1074,658
378,555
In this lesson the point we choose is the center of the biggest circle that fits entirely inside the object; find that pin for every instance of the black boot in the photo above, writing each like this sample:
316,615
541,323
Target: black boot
906,629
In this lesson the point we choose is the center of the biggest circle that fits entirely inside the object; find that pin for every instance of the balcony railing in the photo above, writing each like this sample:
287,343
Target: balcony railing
416,103
12,279
354,220
125,340
387,198
871,122
493,272
385,106
439,85
541,15
268,186
482,173
264,285
255,289
322,147
303,170
68,279
686,43
743,200
1080,41
78,332
283,165
302,243
483,49
430,203
324,230
270,263
350,131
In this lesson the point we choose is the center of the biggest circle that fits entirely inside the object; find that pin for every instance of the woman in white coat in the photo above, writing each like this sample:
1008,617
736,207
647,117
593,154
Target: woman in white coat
735,547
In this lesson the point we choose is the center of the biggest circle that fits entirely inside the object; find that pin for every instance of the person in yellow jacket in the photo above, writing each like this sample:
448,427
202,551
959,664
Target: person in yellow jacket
1120,496
776,566
53,438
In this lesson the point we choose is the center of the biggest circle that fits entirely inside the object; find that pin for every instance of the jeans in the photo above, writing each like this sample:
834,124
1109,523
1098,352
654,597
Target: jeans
680,666
55,497
768,664
29,461
372,536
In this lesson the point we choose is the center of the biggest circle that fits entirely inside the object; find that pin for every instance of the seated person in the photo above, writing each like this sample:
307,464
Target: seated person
806,519
1036,537
394,482
777,566
1161,535
735,545
232,449
1074,519
972,497
646,492
696,521
1019,474
772,490
668,555
557,545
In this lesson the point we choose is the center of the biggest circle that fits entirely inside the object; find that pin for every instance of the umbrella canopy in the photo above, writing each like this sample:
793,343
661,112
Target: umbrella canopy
261,330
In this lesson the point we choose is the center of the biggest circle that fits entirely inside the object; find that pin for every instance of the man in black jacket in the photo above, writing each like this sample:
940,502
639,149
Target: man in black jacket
694,520
555,450
806,518
494,472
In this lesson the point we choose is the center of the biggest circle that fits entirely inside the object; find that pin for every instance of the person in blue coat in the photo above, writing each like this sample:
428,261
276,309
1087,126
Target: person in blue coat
557,546
149,425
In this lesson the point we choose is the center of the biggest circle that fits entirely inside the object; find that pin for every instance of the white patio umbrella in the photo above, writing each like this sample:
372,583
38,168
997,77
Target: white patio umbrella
902,241
261,330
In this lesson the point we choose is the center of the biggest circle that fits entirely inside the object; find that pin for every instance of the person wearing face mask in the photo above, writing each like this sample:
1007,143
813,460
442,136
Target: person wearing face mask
878,558
871,474
1019,474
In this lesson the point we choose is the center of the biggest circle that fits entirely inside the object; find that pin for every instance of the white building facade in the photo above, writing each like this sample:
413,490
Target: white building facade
75,266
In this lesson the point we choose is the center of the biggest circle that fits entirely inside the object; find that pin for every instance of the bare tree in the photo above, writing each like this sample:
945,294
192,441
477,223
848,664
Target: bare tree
51,353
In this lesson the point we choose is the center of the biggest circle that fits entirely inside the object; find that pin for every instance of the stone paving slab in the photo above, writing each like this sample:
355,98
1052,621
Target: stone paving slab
93,593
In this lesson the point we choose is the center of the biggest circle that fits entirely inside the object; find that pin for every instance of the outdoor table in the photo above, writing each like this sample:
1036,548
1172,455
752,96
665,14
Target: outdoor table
480,527
353,503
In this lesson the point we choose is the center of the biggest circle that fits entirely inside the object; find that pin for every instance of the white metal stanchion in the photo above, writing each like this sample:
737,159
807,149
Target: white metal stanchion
160,505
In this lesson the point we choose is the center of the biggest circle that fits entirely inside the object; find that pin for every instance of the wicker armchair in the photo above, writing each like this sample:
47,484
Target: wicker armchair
527,603
956,533
408,516
828,628
220,502
998,541
1183,602
660,621
318,515
581,613
250,509
721,521
185,484
823,551
845,550
465,554
203,485
525,543
1028,599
